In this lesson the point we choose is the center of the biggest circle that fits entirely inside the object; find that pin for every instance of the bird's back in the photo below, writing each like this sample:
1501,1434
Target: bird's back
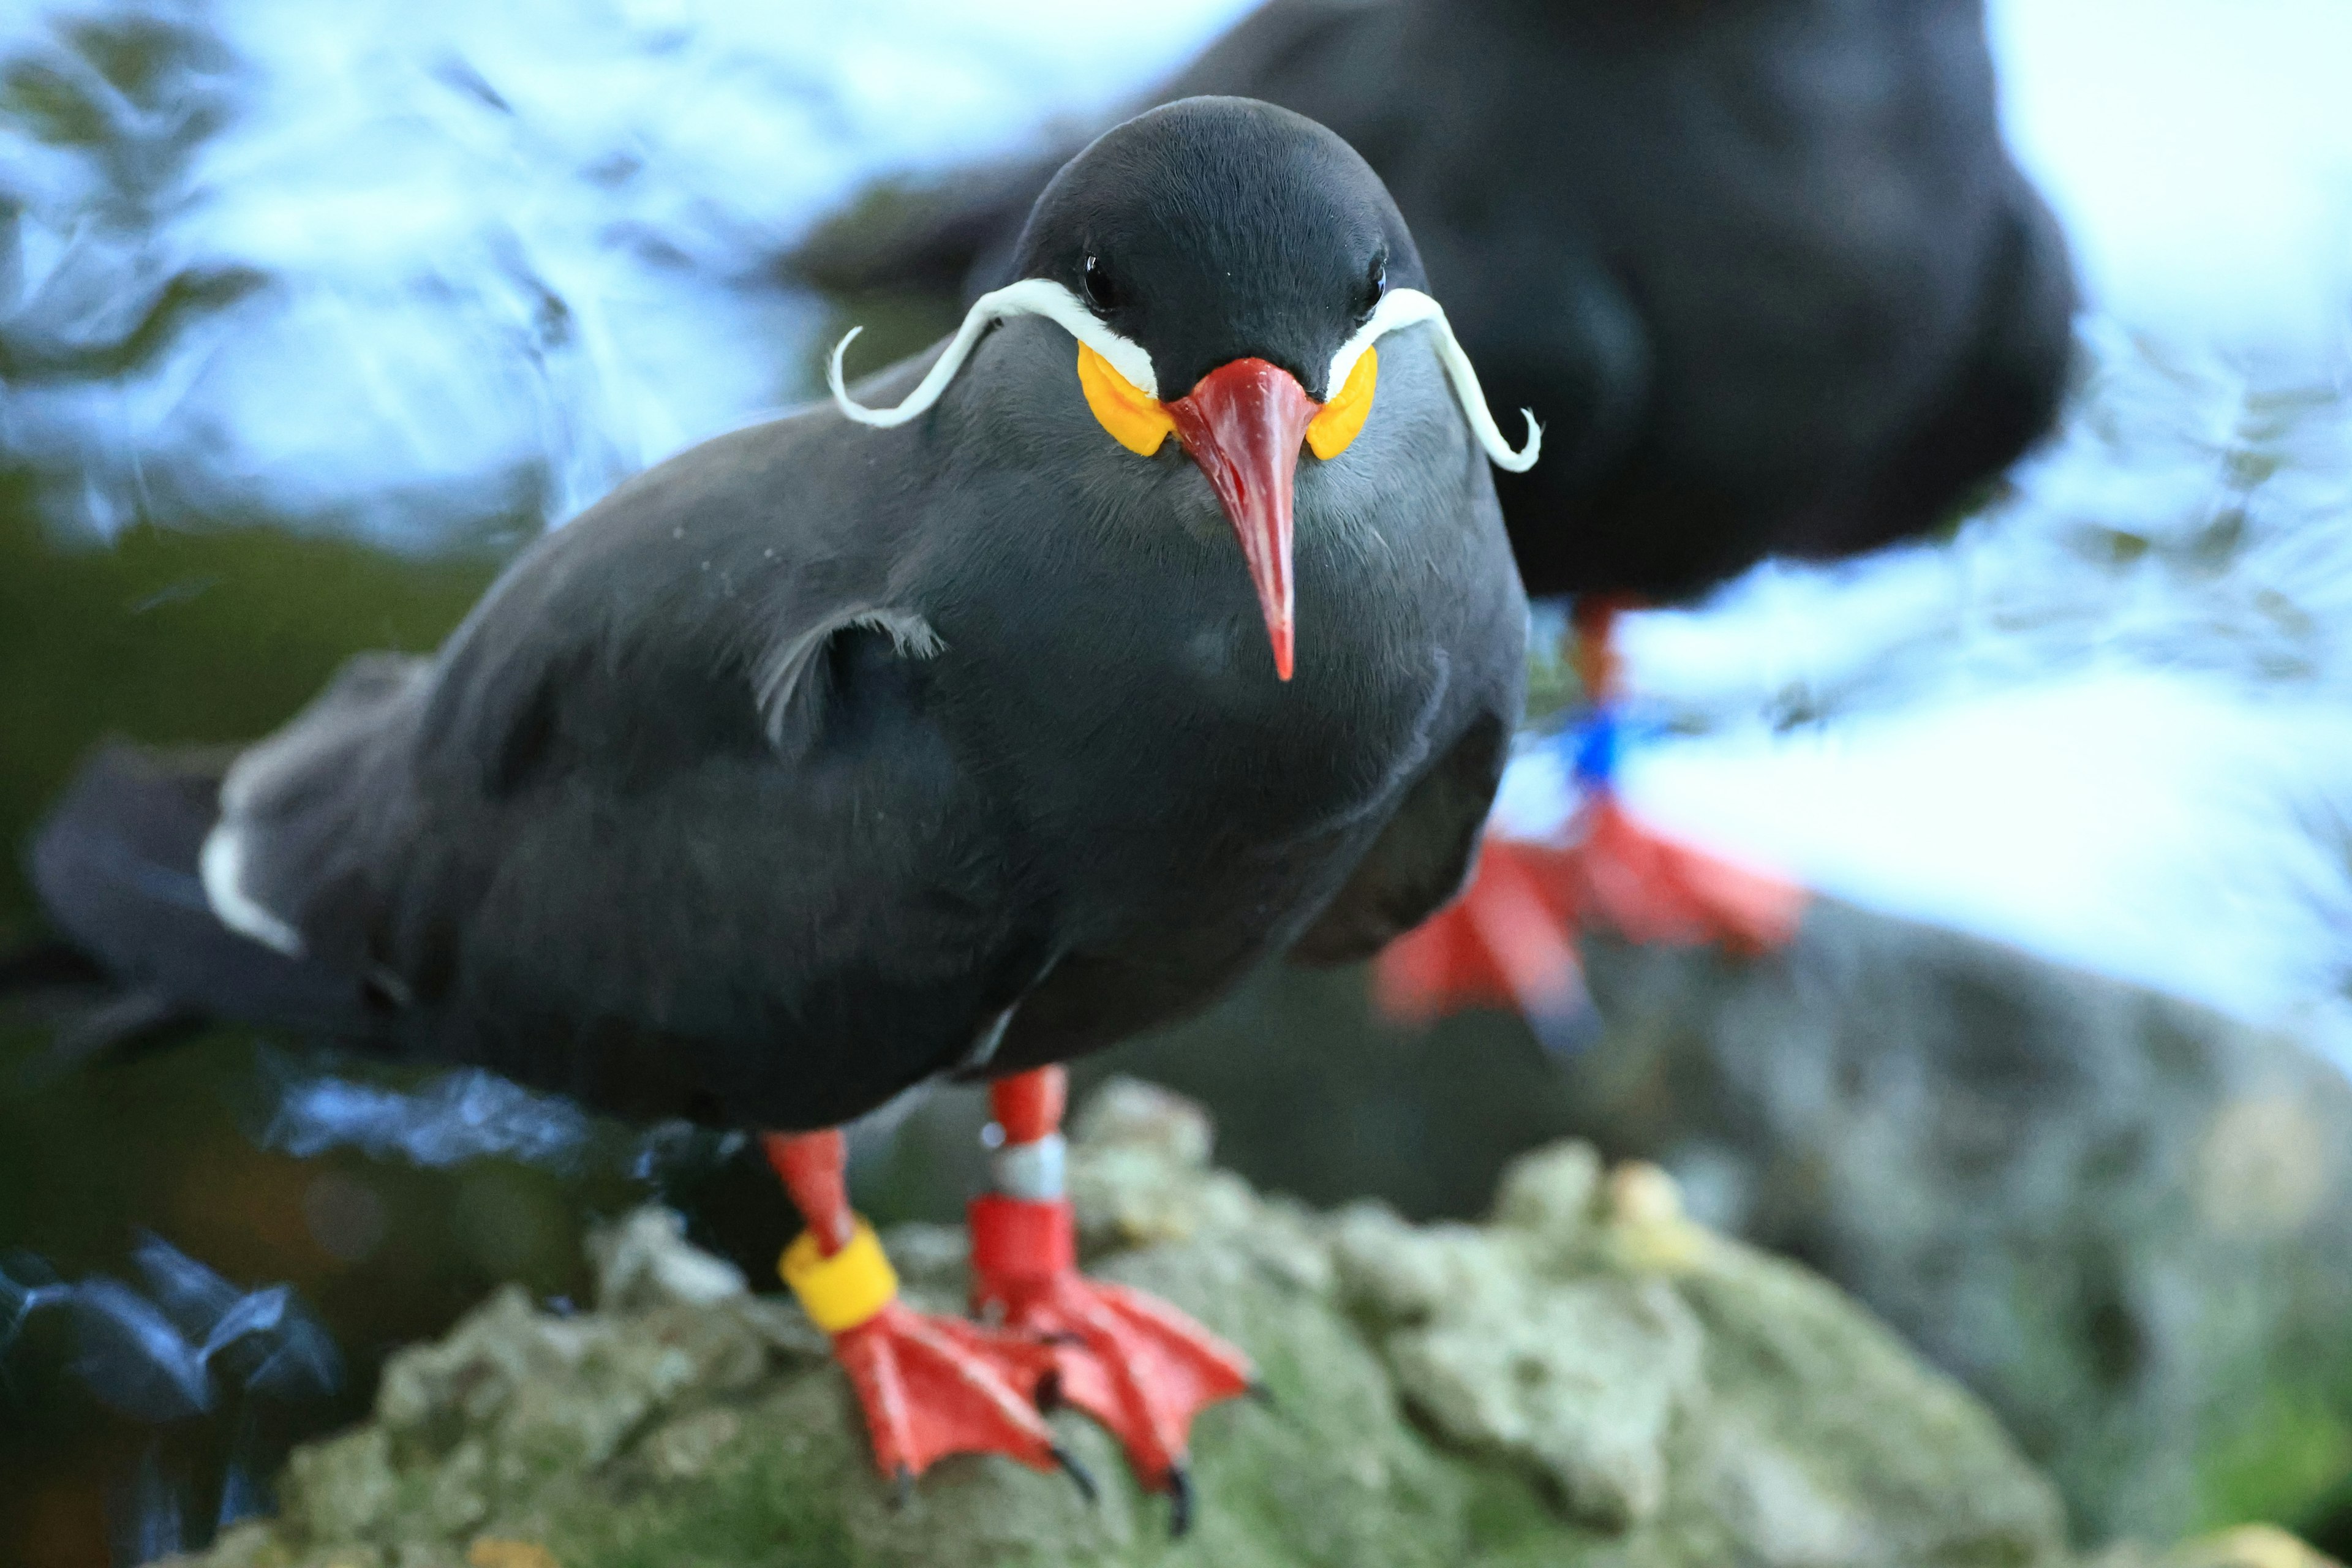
1852,306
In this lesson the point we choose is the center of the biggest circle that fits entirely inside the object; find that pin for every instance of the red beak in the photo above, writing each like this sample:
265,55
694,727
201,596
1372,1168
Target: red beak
1243,425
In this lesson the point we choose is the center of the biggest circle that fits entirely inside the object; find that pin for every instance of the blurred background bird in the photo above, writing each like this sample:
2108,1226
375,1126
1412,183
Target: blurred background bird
309,319
1768,273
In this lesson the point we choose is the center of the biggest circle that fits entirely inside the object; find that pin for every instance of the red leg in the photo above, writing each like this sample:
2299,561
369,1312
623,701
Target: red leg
1627,875
1134,1363
1592,646
929,1386
1509,940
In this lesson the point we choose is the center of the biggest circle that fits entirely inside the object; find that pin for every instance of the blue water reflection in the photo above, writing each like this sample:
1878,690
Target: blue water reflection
391,266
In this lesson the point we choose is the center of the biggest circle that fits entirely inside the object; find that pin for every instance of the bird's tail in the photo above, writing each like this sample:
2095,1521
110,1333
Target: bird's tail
115,867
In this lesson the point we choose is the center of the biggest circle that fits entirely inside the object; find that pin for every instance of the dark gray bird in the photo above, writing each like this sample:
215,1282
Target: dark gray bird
953,736
1764,266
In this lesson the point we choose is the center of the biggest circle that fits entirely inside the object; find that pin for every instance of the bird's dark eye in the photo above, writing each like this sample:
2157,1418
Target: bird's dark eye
1376,286
1100,293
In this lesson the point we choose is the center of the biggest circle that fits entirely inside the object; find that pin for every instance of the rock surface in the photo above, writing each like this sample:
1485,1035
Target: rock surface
1587,1377
2124,1221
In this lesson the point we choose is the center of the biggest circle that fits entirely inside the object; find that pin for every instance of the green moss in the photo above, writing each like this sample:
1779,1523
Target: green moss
1506,1521
2295,1446
755,1505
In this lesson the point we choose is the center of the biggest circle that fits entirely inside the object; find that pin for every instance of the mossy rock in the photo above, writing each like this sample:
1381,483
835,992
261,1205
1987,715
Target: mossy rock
1587,1378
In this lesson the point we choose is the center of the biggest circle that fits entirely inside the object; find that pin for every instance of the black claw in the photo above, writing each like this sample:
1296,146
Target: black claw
902,1487
1079,1474
1262,1395
1179,1502
1048,1397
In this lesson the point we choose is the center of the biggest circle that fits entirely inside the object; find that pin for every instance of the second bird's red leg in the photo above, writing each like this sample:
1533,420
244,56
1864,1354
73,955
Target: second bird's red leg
1642,882
1136,1365
928,1386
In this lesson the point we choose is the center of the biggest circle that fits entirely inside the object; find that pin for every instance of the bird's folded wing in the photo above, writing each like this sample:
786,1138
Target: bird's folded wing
1421,858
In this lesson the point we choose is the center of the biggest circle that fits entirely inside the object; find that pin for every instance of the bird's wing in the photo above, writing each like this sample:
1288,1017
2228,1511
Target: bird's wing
670,824
1422,858
2002,395
302,817
692,612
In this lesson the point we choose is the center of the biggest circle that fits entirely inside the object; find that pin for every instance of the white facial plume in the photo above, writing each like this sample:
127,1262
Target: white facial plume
1398,308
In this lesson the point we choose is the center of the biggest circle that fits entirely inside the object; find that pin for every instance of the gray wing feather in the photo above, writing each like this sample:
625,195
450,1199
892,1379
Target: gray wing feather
788,684
1421,858
612,840
302,814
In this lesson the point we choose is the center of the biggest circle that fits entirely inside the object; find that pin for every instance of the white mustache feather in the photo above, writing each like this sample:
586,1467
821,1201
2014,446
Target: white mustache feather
1400,307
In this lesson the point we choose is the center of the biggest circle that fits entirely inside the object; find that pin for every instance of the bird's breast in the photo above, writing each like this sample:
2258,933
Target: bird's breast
1150,747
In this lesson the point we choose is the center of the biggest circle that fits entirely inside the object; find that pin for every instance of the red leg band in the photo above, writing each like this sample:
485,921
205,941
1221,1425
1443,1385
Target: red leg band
1021,1238
1028,1105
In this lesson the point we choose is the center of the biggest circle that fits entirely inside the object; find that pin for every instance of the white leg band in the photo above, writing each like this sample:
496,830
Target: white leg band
1032,1171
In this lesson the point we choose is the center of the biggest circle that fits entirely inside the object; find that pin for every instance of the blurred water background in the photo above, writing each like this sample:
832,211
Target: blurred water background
309,314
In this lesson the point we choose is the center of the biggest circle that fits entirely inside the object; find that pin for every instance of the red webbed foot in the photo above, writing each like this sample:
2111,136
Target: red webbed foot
1509,940
934,1386
1133,1363
1653,888
928,1386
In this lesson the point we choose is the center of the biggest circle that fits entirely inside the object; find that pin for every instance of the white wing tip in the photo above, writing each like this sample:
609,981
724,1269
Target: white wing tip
221,867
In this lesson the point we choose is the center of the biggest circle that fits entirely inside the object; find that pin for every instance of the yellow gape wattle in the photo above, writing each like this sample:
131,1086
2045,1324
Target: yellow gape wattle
1328,433
1132,415
1138,422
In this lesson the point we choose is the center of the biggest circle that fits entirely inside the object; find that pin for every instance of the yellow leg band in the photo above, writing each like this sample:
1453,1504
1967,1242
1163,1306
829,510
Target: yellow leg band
842,1291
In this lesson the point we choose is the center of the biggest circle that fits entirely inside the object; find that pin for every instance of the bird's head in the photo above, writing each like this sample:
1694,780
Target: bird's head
1225,266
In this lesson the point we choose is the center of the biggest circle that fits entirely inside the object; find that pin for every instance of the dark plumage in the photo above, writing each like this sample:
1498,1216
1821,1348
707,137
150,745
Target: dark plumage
1763,266
822,758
